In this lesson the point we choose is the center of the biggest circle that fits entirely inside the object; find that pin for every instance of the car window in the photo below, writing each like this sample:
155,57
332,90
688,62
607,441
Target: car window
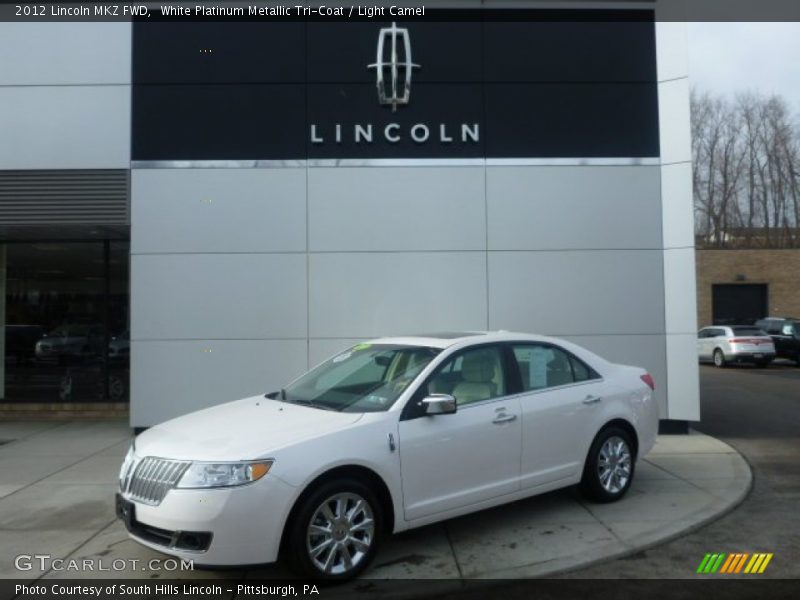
754,331
543,366
472,376
581,371
702,334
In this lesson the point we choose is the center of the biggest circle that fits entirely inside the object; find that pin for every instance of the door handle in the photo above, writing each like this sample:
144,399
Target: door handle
504,418
592,399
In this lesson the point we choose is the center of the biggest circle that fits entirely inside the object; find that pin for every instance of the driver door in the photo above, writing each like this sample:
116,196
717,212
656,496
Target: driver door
451,461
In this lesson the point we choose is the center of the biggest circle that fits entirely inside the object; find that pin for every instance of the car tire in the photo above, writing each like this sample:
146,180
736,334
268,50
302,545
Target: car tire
330,537
610,465
762,364
719,359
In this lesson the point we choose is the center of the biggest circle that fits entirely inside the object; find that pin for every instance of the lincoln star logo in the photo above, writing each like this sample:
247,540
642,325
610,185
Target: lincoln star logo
388,68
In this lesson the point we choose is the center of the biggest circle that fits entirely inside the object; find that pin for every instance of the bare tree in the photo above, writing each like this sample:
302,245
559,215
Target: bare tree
746,177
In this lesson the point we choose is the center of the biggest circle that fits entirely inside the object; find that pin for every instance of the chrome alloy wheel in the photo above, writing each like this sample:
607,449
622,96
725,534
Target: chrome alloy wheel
340,533
614,465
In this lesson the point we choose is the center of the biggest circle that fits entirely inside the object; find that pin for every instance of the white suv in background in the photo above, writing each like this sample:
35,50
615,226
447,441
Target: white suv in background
735,343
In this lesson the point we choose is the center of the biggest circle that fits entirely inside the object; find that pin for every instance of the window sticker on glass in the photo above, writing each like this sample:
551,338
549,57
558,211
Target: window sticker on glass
344,356
538,366
360,347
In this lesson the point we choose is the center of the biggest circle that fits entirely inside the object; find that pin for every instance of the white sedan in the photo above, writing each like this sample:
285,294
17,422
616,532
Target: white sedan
388,435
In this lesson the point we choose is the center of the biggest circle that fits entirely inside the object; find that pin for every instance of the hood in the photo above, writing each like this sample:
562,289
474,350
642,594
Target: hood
242,430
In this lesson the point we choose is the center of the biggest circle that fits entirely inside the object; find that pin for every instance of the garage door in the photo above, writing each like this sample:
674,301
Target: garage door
739,303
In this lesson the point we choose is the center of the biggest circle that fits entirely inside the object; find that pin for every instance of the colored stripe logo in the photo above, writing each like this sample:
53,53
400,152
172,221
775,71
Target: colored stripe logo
736,562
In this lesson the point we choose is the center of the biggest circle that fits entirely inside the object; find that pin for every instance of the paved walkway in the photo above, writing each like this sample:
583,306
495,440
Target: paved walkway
57,482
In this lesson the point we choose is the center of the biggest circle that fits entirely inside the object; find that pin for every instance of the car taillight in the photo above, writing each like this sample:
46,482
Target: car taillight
749,341
648,379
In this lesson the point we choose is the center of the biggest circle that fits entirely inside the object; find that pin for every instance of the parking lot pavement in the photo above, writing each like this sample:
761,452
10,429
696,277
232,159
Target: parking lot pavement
57,483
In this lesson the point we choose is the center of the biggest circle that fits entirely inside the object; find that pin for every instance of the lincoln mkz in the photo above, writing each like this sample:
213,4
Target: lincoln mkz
388,435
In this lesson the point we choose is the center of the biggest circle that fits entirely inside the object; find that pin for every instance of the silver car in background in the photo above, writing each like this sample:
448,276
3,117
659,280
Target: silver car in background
735,343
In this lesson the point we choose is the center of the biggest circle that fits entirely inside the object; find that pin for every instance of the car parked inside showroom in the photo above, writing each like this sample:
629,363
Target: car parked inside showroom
726,344
71,341
785,334
388,435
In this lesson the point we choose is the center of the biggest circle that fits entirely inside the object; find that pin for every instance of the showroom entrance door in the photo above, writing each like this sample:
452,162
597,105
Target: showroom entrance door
738,304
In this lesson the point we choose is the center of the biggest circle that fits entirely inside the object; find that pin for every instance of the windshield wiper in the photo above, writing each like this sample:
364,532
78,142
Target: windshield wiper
311,403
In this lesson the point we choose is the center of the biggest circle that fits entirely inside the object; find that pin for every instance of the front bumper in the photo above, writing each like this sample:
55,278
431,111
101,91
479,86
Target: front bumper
229,526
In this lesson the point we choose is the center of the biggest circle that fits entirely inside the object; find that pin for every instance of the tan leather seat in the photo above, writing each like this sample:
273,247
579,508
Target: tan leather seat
477,374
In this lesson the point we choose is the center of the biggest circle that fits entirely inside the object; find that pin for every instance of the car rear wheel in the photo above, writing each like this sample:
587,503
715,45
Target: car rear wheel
719,358
609,468
336,531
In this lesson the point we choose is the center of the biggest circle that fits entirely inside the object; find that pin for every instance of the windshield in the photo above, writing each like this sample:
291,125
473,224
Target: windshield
747,331
365,378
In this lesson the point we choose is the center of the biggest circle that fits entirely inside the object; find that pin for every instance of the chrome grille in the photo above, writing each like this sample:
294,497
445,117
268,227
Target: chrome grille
154,477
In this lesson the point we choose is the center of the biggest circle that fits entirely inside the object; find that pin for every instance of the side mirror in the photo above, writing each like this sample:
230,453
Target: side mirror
439,404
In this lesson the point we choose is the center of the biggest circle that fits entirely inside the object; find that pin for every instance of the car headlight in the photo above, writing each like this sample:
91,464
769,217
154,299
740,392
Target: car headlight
126,464
213,475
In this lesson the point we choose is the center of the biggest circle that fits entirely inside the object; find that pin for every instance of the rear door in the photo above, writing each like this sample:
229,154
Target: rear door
718,339
560,403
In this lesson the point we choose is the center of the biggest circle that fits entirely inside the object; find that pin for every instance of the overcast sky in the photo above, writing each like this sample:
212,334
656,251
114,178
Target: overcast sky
731,57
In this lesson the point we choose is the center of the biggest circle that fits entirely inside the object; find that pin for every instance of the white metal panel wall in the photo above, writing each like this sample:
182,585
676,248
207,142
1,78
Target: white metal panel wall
563,208
680,316
65,95
218,210
218,286
173,377
396,209
68,53
219,296
373,294
65,127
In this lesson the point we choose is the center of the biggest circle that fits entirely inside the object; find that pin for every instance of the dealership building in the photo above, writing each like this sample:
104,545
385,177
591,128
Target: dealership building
193,211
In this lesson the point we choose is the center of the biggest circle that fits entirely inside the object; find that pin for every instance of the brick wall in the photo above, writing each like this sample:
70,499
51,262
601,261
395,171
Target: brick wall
779,269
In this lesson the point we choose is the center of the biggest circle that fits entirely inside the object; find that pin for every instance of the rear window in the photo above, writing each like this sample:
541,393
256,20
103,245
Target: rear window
747,331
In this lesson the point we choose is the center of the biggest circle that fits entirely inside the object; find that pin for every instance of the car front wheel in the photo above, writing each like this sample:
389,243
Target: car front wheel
609,467
336,531
719,358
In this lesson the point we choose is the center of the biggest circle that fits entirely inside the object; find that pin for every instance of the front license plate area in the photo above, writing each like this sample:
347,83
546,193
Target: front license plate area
126,511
